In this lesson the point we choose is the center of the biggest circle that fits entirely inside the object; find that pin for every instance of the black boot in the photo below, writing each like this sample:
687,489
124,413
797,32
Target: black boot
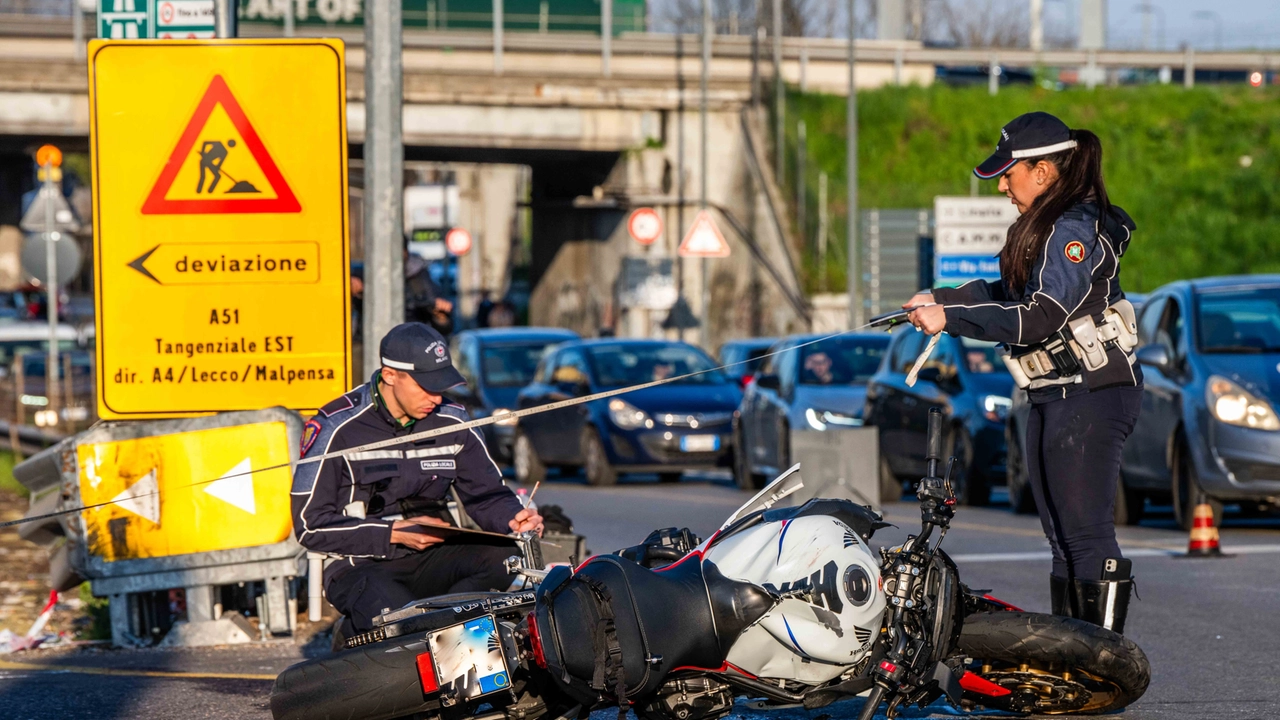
1060,596
1104,602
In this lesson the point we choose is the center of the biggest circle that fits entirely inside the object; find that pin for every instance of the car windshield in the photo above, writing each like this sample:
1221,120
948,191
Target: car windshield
511,365
841,361
620,365
743,359
980,357
1239,321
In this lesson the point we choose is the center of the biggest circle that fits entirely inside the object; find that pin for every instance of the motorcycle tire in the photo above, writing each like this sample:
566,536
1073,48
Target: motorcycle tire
1053,665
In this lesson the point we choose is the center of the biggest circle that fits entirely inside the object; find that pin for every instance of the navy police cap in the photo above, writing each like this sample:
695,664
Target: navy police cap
1034,134
417,349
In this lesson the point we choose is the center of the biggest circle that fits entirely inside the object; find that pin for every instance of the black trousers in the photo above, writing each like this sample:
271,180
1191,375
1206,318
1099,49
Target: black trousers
1073,459
363,592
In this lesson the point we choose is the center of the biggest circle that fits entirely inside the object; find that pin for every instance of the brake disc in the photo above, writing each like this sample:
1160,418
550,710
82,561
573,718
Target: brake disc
1040,691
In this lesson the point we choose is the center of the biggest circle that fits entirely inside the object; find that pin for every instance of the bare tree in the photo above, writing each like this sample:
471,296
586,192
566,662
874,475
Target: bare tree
982,23
811,18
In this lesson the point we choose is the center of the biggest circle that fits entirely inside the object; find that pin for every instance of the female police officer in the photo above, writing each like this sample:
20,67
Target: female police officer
1069,336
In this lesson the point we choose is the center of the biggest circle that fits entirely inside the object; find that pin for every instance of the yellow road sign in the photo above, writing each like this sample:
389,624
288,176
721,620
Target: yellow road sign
186,492
221,227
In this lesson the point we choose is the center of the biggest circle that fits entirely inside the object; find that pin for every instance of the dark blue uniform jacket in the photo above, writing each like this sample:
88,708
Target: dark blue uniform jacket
417,469
1077,274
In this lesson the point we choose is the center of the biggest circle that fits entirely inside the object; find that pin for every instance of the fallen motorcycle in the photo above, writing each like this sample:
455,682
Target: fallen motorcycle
782,606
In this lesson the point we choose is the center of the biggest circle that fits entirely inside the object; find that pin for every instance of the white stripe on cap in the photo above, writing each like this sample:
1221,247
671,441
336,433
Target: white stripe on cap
1046,150
397,365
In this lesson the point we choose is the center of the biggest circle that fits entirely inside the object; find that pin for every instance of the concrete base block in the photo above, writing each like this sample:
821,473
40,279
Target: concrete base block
230,630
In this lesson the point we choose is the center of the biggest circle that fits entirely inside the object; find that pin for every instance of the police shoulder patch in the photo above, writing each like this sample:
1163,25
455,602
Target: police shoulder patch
1075,251
342,403
310,432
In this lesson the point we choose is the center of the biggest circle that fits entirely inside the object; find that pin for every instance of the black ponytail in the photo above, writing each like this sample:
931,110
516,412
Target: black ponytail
1079,179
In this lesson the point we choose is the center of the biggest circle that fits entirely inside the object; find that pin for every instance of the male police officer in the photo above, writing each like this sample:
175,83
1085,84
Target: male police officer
342,506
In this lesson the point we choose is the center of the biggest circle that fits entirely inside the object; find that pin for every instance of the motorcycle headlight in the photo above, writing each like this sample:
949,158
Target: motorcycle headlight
1233,405
820,419
996,407
625,415
504,421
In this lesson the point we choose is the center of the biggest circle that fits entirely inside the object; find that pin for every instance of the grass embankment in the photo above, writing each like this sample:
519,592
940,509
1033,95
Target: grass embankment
1172,159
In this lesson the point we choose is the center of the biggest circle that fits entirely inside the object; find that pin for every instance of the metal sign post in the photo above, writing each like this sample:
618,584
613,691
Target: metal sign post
221,246
51,236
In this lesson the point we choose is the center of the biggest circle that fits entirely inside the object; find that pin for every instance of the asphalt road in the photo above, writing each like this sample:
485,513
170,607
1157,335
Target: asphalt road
1208,626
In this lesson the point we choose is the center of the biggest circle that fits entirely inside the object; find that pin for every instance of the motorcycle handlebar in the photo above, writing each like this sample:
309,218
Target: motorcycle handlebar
933,452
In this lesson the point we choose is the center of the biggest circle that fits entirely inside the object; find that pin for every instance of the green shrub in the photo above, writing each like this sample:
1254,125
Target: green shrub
1172,159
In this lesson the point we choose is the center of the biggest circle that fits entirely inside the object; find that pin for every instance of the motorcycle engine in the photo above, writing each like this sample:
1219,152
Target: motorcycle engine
695,698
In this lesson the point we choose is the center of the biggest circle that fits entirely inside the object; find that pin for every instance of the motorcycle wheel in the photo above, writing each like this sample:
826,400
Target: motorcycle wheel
1052,665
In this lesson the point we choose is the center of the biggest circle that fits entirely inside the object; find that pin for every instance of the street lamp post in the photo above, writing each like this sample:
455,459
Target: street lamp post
853,267
1217,26
1147,9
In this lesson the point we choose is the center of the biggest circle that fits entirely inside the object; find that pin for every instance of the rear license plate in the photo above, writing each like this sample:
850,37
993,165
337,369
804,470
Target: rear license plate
700,443
468,659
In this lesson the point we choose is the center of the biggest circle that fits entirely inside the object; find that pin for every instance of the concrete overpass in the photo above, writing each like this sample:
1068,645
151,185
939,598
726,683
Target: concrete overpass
598,143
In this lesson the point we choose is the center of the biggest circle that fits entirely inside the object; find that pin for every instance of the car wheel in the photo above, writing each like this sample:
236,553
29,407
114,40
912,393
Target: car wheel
527,464
1016,479
971,487
890,484
599,472
742,475
668,478
1129,503
1186,489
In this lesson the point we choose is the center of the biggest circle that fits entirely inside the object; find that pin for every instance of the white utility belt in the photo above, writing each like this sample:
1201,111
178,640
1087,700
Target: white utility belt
1080,346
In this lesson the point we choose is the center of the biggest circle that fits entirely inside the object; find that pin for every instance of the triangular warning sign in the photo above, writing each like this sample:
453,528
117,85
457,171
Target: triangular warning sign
211,172
236,487
141,498
704,239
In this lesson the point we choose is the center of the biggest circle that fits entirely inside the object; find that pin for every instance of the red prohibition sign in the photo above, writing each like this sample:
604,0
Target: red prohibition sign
645,225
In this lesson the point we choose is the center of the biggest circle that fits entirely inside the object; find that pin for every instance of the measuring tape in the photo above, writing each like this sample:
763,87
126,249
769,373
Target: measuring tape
886,321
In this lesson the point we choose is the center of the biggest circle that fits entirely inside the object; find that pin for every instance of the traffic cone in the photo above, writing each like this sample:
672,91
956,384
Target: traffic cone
1204,535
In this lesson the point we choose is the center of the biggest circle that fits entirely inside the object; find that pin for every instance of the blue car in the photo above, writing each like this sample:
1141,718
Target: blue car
1210,350
744,358
666,430
802,385
497,363
970,383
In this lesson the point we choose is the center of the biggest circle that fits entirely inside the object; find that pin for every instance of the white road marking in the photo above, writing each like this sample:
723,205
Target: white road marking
1128,552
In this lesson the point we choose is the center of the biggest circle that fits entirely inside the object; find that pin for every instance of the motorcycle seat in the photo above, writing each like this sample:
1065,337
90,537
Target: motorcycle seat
686,615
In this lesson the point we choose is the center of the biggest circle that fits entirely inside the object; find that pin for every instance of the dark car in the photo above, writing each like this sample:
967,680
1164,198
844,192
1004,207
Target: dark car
1016,440
667,429
970,383
804,385
1210,350
744,357
497,363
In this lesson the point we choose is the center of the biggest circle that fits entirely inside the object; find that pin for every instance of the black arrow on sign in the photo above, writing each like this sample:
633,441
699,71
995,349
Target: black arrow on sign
140,267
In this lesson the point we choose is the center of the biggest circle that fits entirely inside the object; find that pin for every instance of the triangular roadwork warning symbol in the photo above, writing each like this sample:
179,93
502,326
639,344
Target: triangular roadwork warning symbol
704,239
213,173
141,498
236,487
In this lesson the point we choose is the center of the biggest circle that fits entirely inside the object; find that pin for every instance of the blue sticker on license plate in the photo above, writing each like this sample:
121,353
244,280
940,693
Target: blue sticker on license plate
700,443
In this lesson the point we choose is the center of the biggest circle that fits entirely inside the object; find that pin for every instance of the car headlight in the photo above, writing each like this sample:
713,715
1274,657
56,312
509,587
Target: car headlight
625,415
820,419
1234,405
996,407
504,421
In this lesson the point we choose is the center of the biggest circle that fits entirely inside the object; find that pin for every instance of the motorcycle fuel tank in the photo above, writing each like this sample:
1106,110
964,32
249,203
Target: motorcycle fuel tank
832,607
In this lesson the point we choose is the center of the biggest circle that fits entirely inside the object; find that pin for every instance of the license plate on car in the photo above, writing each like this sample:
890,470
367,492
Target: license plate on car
700,443
468,659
